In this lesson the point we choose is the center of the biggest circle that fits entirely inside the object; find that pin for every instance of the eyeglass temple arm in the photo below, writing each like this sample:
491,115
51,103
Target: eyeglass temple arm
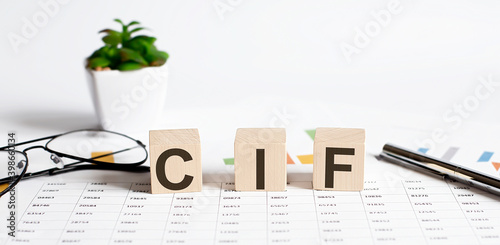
103,155
69,167
28,175
105,167
56,171
28,142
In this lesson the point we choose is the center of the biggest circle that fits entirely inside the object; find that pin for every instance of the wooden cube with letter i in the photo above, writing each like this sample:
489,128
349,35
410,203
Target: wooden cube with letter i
339,155
260,159
175,157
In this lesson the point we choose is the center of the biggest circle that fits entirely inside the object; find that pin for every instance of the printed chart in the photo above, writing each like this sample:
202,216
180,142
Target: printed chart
484,157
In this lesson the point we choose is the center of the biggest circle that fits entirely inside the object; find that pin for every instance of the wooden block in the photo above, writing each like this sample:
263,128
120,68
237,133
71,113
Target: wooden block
339,155
260,159
175,157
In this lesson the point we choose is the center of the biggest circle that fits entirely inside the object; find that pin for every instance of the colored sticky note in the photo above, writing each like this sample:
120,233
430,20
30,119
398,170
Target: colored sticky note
449,154
485,157
496,165
289,160
105,157
229,161
311,133
4,186
306,159
423,150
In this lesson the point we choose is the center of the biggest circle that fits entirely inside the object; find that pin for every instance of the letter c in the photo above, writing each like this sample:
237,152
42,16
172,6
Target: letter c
160,169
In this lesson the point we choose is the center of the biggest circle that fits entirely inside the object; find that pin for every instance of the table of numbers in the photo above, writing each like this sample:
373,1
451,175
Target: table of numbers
385,212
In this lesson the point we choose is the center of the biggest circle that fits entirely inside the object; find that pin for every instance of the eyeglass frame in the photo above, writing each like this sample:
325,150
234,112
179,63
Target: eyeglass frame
132,167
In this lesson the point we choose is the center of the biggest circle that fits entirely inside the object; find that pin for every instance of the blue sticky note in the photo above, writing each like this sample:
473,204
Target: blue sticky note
485,157
423,150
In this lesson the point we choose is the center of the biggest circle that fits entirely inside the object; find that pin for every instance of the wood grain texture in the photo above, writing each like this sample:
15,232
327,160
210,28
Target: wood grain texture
177,143
344,150
260,159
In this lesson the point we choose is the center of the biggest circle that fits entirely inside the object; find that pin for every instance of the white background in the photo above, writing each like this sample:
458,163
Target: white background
423,62
426,59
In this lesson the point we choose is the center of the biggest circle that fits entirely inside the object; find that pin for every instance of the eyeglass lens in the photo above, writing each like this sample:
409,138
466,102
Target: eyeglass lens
92,144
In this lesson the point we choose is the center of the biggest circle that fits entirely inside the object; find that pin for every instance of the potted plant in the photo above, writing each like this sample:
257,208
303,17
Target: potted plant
128,79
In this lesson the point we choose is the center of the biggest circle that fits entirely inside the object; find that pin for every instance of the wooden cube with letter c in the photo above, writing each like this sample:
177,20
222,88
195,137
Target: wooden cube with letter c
175,157
339,155
260,159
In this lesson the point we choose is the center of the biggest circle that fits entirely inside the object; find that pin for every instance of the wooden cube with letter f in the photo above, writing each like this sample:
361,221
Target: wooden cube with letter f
339,155
260,159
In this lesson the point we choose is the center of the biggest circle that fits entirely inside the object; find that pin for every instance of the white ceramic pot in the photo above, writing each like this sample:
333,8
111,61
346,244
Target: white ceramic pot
129,101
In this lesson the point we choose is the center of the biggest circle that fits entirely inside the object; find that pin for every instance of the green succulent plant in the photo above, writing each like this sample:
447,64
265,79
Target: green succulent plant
123,52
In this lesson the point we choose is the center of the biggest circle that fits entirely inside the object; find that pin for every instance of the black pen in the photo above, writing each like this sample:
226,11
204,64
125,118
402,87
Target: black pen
447,170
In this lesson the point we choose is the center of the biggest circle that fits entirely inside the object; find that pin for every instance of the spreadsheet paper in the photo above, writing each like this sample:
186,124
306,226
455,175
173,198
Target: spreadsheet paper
423,210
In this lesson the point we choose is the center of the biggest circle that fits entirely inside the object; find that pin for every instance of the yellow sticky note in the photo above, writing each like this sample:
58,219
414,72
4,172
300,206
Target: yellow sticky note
306,159
4,186
109,158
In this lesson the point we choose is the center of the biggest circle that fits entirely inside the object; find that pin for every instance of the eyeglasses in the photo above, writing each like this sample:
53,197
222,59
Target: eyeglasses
103,149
